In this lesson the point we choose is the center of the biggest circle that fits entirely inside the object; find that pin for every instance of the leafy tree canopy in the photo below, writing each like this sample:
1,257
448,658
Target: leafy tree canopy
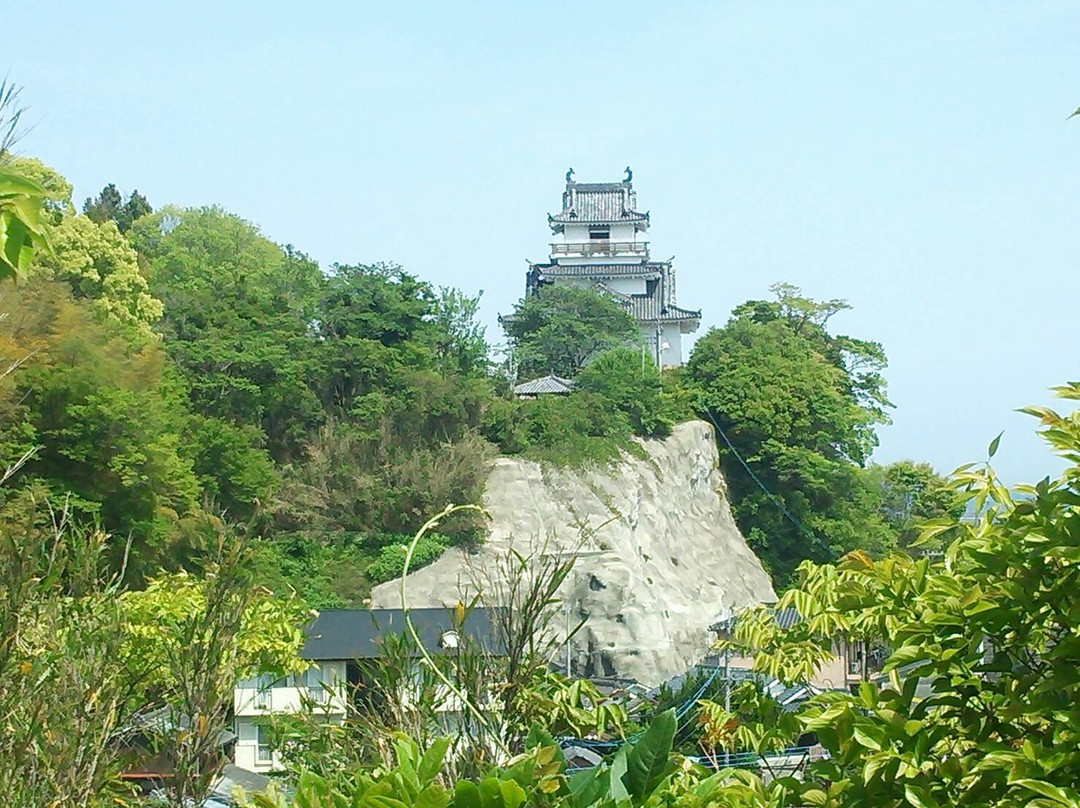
109,206
561,328
799,406
978,703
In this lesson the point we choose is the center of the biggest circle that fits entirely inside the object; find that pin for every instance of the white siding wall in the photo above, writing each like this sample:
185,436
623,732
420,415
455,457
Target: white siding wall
255,698
626,286
671,356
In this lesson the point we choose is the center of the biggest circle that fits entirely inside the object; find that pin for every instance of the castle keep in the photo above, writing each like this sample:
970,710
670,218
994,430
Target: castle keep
600,243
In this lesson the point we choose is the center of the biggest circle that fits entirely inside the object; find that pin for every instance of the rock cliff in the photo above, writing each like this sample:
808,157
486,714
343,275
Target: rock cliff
663,558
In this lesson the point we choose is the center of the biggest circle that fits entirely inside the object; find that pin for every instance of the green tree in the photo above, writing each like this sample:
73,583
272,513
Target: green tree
912,493
628,382
559,329
99,264
109,206
102,416
978,705
237,320
799,406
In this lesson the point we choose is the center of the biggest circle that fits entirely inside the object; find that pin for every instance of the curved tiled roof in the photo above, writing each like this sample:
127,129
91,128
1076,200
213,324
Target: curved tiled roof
641,269
599,203
548,384
651,307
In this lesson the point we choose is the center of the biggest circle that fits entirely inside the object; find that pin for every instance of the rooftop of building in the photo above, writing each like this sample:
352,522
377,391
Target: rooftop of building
348,634
546,385
652,308
599,203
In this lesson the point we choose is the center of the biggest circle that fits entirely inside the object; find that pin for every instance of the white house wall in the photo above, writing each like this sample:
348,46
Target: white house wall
669,335
626,286
251,703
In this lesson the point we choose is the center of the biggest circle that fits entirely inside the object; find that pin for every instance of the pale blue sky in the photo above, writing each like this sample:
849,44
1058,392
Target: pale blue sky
912,158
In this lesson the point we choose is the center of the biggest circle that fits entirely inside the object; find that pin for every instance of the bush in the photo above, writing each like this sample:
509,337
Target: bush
391,558
627,381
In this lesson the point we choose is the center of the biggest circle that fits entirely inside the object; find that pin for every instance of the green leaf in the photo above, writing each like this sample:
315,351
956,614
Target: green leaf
588,787
467,795
869,735
648,762
617,788
994,445
1060,796
512,794
431,762
919,796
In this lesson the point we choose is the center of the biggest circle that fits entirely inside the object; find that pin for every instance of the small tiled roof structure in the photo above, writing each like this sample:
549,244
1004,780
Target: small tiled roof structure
351,634
547,385
641,269
652,308
785,619
598,203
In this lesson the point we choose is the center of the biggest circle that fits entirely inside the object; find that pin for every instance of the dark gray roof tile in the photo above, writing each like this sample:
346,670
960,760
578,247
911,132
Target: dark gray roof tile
357,633
599,203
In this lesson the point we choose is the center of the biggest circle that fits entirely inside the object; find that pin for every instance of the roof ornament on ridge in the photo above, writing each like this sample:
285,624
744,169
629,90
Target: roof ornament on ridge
629,174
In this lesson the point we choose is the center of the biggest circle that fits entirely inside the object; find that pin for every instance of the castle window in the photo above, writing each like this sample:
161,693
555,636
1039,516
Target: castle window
600,233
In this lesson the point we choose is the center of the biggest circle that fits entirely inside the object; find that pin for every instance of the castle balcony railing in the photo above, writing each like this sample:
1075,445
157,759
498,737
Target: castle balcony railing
590,248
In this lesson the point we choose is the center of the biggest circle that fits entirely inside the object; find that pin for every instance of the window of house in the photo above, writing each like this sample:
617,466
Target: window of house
263,753
313,680
262,692
600,233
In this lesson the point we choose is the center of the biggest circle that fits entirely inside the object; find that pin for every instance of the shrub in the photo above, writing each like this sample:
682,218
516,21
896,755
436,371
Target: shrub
391,558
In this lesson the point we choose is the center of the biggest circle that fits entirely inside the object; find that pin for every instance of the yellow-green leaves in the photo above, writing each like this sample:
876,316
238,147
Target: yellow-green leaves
21,228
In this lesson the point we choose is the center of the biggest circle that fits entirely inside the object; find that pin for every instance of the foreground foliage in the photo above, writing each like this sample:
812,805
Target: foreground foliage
977,705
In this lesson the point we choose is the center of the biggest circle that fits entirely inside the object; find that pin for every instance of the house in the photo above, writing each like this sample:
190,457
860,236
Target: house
851,662
341,644
598,244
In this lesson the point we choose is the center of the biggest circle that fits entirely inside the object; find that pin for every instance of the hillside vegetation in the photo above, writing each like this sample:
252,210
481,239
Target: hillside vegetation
175,370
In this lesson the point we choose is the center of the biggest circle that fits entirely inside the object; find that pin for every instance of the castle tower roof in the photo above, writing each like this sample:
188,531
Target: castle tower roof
599,203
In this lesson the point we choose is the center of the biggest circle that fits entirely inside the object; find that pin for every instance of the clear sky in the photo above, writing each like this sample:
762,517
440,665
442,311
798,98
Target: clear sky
913,158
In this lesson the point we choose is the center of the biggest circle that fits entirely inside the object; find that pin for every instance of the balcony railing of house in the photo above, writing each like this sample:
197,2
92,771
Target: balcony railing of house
587,248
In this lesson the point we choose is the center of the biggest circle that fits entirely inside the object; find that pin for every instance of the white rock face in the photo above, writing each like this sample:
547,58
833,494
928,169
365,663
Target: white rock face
663,558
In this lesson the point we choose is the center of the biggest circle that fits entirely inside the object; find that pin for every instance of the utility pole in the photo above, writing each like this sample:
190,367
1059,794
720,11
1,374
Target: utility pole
727,697
566,610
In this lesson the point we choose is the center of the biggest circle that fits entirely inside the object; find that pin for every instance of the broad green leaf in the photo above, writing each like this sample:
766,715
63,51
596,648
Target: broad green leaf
1058,795
919,796
431,762
648,761
467,795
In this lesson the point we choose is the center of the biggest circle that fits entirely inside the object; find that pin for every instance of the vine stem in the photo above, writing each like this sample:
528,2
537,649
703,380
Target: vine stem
430,525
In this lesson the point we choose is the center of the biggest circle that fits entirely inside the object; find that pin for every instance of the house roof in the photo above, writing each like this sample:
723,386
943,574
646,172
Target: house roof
652,307
357,633
640,269
785,619
598,203
555,385
233,777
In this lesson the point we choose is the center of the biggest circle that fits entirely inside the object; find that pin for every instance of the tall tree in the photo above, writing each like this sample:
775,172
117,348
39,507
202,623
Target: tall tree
559,329
239,311
109,206
798,406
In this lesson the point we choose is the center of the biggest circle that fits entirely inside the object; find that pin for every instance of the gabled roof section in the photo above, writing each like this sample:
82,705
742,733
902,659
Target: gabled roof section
652,308
640,269
599,203
350,634
785,618
550,385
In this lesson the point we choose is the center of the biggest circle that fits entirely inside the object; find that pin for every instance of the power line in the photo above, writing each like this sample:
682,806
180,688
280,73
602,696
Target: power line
775,499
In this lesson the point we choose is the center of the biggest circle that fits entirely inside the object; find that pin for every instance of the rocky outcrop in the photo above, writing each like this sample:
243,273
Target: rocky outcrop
662,560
